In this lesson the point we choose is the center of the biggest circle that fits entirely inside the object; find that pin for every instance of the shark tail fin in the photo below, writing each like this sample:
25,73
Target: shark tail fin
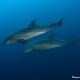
60,22
73,43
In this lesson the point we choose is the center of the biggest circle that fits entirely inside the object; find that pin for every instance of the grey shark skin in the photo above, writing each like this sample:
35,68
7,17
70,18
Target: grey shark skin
48,43
32,31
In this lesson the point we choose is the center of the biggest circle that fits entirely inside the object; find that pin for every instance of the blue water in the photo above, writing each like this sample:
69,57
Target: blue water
55,64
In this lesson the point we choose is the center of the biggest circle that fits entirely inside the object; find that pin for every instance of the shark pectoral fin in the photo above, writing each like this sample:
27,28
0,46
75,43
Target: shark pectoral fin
32,24
51,36
40,50
22,41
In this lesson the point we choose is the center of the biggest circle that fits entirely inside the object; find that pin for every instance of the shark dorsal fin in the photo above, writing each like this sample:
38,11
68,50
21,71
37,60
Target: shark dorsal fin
51,36
32,24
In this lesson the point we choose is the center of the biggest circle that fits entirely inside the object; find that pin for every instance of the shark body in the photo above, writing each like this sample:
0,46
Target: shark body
48,43
32,31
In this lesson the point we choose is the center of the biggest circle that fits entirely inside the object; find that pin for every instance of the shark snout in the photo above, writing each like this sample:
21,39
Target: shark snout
8,41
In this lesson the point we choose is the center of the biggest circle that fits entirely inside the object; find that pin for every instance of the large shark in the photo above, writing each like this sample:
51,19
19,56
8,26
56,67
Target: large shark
31,31
47,43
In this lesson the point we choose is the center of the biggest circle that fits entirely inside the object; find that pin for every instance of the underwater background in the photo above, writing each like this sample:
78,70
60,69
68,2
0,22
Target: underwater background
54,64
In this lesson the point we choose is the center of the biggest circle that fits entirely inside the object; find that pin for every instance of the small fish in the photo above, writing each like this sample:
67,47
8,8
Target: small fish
30,32
48,43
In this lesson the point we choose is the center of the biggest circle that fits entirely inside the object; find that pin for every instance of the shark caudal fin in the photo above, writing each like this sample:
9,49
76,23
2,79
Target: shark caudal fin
60,22
74,42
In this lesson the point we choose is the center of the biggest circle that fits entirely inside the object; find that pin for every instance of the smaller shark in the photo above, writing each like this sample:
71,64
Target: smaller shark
30,32
48,43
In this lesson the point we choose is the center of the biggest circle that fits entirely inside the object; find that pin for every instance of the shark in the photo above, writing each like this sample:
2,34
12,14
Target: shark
32,30
47,43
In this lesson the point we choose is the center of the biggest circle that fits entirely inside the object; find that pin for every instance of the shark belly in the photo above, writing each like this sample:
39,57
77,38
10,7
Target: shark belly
46,46
29,35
